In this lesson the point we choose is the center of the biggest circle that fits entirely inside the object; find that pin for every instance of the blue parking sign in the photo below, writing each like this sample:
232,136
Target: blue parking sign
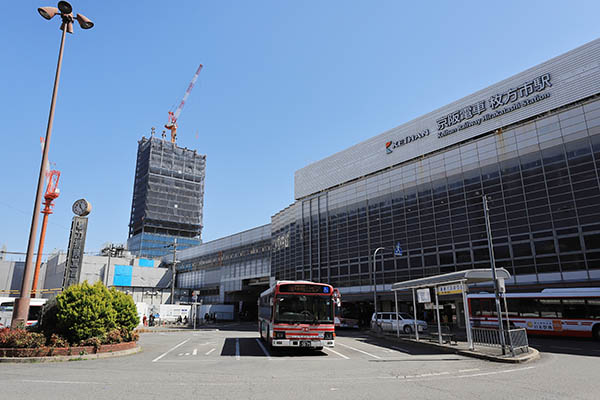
398,250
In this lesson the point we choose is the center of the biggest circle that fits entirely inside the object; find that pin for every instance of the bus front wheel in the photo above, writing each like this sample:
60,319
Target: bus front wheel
596,332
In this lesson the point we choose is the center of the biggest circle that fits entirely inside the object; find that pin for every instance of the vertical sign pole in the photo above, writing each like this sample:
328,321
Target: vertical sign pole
397,315
467,318
415,315
437,312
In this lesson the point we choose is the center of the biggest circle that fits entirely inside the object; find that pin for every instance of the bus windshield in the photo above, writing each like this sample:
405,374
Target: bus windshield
303,308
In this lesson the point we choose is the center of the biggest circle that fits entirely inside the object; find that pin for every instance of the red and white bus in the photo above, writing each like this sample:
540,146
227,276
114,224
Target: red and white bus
298,314
556,312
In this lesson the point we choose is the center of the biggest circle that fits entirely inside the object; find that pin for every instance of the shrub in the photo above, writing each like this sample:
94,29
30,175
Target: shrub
57,341
113,336
80,312
93,341
20,338
123,304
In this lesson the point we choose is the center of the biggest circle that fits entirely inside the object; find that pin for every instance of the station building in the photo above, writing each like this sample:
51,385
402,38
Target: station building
530,143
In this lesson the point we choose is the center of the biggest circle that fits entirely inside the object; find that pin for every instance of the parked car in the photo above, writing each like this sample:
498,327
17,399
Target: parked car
387,322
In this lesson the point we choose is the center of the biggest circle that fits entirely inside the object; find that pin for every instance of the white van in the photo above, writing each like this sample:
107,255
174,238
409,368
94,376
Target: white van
386,321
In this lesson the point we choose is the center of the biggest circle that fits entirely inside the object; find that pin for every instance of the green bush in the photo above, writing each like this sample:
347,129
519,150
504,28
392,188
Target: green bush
81,312
90,313
127,317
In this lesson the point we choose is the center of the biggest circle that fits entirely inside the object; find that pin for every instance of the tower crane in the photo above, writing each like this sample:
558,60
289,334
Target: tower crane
174,115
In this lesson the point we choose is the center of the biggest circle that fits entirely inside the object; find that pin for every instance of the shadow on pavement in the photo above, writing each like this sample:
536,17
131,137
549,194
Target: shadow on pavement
412,349
250,347
571,346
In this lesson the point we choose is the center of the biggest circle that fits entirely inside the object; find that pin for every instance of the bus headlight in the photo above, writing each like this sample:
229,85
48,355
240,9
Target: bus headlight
279,335
328,336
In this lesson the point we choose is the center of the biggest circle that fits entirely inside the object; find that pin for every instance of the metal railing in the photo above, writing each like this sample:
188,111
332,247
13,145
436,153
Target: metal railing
515,339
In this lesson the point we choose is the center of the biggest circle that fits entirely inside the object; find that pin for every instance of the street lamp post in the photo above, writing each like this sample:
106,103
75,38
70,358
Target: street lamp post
374,282
494,277
66,13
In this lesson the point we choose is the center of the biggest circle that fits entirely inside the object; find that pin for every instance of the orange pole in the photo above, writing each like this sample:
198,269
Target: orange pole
38,261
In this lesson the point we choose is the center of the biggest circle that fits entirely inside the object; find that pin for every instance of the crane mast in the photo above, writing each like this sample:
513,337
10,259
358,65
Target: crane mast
174,115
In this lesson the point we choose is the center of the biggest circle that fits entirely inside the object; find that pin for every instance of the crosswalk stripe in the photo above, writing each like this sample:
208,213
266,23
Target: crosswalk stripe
195,352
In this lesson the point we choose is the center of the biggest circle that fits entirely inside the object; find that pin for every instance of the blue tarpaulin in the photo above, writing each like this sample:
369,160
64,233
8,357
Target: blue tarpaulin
123,275
144,262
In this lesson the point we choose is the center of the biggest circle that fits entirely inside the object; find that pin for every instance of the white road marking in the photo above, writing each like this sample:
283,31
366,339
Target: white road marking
210,351
264,349
61,382
237,349
468,370
168,351
335,352
195,352
187,354
494,372
360,351
180,354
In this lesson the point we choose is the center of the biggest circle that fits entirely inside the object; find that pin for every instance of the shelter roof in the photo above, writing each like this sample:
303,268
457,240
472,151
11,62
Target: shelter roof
467,276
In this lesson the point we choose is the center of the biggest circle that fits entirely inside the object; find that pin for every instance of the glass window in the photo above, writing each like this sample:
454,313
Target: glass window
550,308
573,308
569,244
593,306
592,241
544,247
521,249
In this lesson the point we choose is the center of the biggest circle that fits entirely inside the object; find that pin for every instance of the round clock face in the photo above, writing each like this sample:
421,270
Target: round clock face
82,207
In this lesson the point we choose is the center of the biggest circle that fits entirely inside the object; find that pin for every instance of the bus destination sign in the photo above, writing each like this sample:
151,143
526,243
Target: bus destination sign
302,288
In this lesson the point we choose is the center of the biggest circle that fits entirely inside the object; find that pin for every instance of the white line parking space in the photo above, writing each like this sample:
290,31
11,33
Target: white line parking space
263,349
335,352
360,351
168,351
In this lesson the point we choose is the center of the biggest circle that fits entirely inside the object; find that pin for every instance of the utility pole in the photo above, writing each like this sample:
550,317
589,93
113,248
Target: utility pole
374,281
493,264
173,272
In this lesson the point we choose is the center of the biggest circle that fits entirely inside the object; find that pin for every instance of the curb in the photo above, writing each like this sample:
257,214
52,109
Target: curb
74,357
533,354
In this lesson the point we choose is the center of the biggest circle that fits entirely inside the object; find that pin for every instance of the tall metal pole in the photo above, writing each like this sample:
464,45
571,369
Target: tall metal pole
493,264
22,303
173,272
374,282
38,261
108,265
415,315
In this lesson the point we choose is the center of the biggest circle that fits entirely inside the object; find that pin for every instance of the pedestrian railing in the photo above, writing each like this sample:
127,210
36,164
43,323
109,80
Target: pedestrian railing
514,339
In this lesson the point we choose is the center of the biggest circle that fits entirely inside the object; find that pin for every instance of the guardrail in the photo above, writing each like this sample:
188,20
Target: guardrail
514,339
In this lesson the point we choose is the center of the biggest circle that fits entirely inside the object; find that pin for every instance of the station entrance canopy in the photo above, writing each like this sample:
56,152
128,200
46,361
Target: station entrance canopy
459,281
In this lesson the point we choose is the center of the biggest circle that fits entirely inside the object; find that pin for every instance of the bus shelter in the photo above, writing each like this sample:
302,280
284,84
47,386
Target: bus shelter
453,282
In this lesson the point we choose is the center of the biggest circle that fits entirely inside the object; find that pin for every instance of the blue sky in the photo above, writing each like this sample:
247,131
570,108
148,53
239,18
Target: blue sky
284,84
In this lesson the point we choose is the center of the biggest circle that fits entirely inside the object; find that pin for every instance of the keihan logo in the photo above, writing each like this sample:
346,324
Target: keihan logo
388,147
394,144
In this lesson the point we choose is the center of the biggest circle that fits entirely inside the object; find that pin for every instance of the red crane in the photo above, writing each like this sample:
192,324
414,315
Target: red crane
52,192
174,115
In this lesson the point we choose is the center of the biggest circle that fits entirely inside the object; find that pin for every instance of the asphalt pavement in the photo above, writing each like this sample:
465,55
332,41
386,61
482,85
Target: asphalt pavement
232,363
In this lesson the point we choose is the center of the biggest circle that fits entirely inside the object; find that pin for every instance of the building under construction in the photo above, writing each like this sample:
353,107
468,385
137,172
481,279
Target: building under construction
168,197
